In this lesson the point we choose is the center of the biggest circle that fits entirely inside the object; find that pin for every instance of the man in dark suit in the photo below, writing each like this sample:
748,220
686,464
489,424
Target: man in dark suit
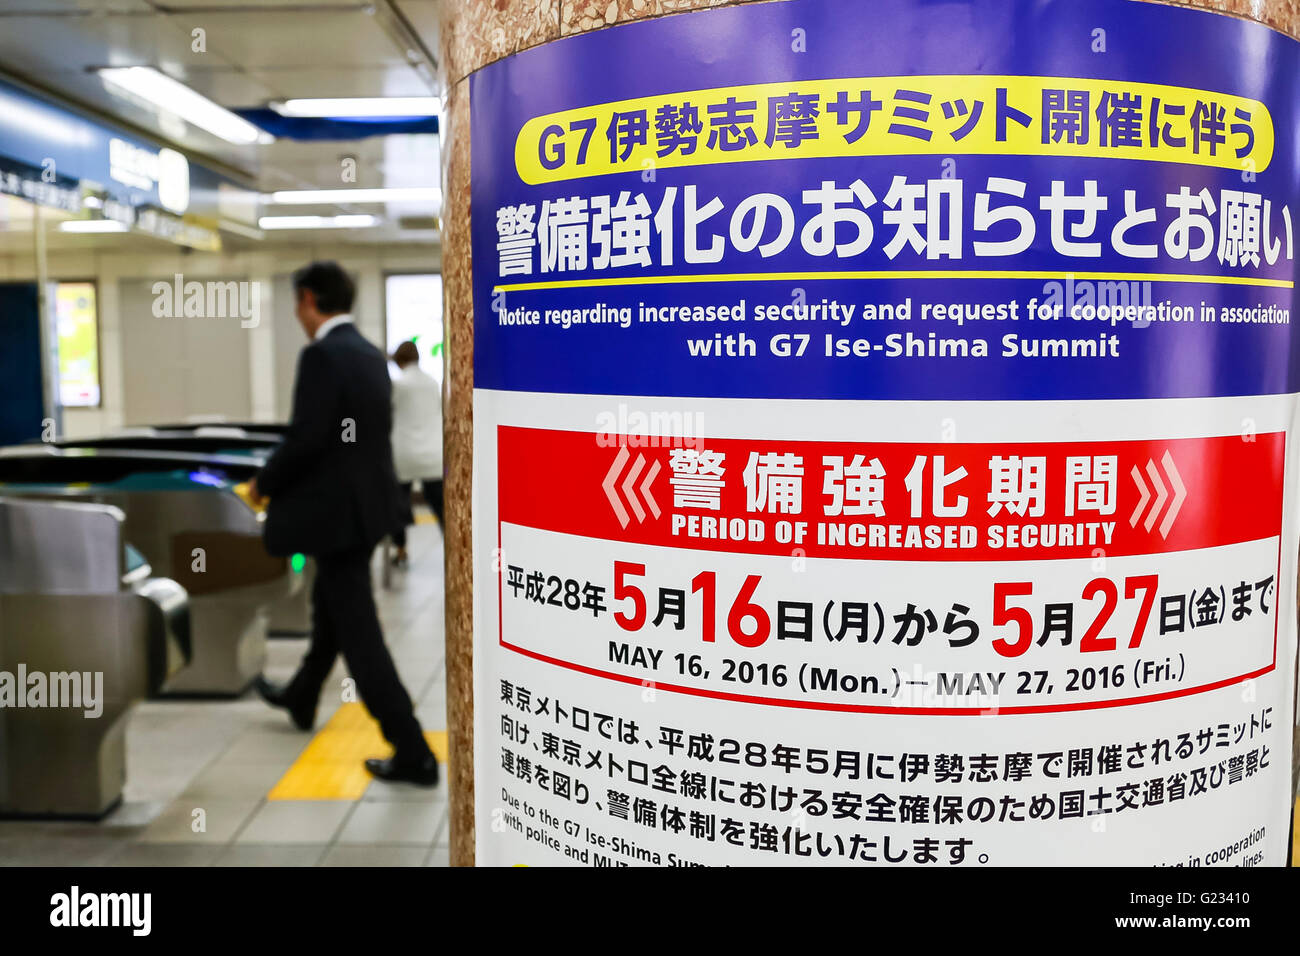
333,494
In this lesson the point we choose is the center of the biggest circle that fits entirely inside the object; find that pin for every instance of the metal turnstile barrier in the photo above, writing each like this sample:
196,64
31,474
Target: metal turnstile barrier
86,630
289,616
182,512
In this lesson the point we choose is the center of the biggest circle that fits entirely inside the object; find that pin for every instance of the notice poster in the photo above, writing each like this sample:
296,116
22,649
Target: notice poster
884,439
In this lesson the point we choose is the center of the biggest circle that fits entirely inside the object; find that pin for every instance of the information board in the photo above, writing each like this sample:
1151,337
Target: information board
884,438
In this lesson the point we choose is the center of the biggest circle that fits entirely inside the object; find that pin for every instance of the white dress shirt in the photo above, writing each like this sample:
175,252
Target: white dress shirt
330,324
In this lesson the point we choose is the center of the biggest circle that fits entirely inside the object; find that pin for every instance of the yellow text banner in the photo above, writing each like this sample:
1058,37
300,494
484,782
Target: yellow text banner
899,116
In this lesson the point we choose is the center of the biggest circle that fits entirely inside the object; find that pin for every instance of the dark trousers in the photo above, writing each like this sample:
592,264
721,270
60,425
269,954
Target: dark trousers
344,620
433,497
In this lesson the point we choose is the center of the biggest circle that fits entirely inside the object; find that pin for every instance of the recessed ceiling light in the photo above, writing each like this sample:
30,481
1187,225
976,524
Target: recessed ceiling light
317,222
312,197
178,99
361,106
92,225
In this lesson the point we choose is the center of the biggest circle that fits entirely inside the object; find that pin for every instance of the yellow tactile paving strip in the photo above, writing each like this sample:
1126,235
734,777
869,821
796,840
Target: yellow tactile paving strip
331,766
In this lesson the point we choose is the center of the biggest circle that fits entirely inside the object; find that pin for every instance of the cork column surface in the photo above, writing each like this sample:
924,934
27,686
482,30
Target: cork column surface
475,33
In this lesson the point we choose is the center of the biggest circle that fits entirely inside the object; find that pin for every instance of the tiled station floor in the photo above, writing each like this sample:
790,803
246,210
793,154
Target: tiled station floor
210,782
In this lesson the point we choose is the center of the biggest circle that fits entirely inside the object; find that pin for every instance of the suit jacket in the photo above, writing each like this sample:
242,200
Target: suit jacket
331,481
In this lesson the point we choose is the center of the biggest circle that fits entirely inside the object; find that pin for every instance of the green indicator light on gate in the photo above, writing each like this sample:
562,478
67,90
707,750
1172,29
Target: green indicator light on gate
298,562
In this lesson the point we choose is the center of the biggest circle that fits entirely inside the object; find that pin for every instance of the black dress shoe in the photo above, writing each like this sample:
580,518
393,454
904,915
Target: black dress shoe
423,773
304,718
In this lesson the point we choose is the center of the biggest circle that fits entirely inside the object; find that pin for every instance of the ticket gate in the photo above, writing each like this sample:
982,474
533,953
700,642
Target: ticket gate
266,428
206,440
288,617
182,512
86,630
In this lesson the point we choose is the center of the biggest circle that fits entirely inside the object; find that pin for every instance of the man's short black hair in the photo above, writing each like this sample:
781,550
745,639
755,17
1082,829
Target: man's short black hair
330,285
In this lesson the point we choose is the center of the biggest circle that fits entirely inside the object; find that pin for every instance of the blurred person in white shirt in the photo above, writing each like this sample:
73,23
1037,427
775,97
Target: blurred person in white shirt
417,437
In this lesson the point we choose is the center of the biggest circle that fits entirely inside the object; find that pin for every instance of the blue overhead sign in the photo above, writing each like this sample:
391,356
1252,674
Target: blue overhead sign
53,156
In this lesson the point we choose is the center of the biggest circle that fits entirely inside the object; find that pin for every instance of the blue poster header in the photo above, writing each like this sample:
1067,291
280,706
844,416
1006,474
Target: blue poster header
908,200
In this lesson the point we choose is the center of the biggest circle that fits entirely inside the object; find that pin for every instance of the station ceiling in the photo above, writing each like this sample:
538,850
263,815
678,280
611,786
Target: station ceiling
248,53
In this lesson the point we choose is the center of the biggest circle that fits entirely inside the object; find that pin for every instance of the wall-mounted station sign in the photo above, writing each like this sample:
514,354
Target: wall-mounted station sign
57,158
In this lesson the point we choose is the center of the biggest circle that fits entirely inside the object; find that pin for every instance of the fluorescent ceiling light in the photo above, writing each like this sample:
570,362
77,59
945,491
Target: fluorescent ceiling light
361,106
92,225
317,222
312,197
178,99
